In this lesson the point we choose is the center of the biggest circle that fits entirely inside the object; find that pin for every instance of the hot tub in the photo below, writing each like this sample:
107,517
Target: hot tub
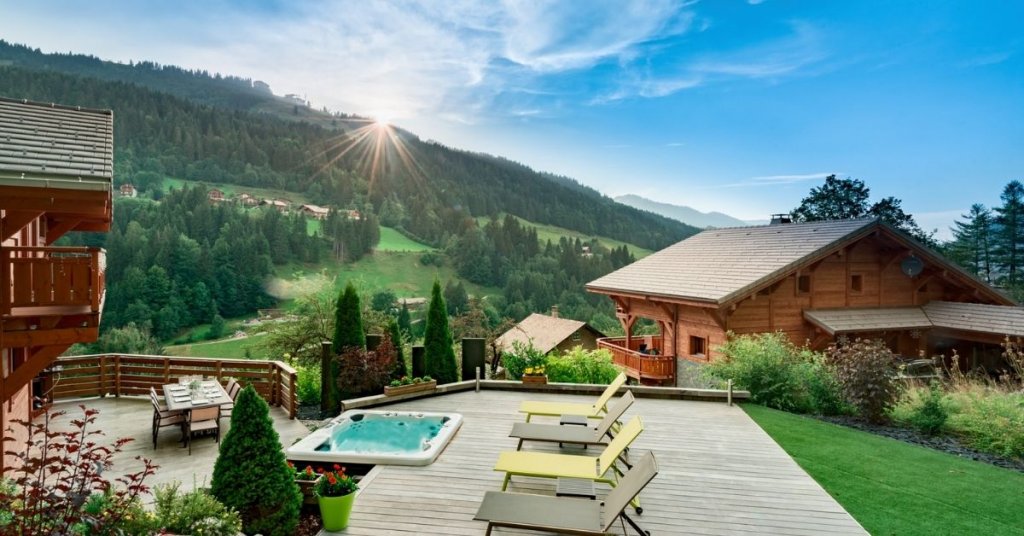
379,438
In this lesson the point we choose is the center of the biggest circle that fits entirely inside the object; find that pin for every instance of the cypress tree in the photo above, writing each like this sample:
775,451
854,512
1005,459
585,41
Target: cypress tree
404,320
437,340
348,333
251,474
396,339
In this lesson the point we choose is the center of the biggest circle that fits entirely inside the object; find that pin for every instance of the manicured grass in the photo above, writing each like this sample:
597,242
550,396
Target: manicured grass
892,487
392,240
554,234
224,349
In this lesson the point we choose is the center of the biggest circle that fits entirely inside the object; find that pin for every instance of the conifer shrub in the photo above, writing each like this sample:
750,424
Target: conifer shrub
395,333
438,350
348,334
251,475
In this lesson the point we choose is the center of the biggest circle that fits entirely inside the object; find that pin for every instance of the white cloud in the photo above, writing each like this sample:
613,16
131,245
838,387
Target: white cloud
777,180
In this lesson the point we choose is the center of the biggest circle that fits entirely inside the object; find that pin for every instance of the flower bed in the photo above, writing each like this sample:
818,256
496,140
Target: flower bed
410,385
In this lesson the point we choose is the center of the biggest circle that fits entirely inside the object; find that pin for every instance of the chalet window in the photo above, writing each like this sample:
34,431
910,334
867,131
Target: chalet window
803,285
857,283
576,336
698,346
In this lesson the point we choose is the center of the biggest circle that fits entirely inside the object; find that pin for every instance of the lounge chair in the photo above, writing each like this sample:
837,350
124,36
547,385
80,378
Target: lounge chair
584,435
593,411
599,468
568,516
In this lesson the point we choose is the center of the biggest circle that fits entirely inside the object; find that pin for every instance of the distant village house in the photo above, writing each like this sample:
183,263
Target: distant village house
128,190
315,211
215,195
248,200
549,333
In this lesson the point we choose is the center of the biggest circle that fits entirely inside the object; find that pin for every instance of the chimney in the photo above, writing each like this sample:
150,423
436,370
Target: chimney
554,311
780,219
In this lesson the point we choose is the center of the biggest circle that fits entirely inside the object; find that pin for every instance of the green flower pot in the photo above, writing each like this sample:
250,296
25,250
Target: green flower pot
334,511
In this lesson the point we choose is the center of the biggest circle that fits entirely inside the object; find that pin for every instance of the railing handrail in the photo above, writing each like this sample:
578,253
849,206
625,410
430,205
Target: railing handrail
55,249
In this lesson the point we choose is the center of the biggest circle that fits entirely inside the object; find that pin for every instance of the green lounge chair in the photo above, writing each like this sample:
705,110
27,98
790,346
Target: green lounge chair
584,435
569,516
593,411
600,468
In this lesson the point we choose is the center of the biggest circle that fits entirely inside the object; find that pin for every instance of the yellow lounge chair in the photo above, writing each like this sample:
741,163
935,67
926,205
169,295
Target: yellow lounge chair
593,411
600,468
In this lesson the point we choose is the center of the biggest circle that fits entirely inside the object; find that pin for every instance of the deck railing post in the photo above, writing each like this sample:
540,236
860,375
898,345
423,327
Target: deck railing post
117,375
478,379
294,404
728,397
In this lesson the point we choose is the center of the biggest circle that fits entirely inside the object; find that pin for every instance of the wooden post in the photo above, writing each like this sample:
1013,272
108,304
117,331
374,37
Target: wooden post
729,394
117,375
327,402
294,405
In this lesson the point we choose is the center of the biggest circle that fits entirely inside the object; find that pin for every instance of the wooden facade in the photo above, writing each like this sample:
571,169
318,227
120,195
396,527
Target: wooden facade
56,169
865,271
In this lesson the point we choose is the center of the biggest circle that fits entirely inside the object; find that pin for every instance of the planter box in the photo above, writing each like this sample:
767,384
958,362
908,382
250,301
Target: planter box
542,379
306,487
412,388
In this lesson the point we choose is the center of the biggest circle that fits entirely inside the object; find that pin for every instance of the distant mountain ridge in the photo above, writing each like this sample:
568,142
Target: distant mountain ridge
685,214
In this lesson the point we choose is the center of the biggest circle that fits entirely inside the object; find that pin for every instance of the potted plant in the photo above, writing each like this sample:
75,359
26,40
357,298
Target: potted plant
306,479
407,385
534,375
336,493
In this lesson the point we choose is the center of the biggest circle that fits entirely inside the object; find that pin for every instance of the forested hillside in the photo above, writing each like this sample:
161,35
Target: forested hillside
430,191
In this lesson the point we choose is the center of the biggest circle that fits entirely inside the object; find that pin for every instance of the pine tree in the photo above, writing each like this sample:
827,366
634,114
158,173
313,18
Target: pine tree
437,340
1009,236
251,474
404,320
972,241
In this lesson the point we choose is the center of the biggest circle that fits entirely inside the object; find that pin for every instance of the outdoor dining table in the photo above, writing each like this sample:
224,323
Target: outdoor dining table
179,397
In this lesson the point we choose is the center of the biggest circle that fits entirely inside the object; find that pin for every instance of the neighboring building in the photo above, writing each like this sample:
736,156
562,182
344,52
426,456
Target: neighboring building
215,195
549,333
352,214
56,171
314,211
812,281
128,190
248,200
280,205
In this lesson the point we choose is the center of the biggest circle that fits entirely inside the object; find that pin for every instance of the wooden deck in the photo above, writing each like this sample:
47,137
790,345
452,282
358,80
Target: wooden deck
719,474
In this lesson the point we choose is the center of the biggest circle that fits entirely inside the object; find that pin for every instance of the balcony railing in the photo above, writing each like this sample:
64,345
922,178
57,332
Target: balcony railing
643,359
40,277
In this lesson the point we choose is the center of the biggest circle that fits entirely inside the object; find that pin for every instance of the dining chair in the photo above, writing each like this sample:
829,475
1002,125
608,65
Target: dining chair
206,419
162,417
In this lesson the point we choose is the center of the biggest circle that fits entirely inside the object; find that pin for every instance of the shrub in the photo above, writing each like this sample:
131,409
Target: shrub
928,414
866,370
989,419
823,389
438,351
364,373
134,520
307,385
195,512
582,366
54,490
251,475
769,366
522,356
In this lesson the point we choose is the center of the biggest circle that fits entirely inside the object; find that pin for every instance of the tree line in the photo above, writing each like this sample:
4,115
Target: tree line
989,242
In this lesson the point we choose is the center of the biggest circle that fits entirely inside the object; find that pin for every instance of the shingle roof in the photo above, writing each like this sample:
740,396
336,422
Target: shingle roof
859,320
975,317
545,332
716,264
1001,320
51,141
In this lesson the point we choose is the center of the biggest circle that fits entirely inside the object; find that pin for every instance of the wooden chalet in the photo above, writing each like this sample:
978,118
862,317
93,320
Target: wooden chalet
549,333
215,195
128,190
815,282
248,200
315,211
56,170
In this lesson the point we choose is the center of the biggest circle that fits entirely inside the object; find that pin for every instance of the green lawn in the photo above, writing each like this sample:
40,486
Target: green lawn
892,487
392,240
554,234
224,349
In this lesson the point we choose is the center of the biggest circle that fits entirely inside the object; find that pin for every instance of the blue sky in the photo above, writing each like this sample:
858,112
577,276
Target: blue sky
731,105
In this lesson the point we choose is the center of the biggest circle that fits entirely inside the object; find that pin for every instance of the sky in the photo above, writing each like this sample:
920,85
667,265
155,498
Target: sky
738,106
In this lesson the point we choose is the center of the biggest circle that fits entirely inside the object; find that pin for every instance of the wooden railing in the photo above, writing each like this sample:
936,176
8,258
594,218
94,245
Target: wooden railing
53,276
652,366
133,375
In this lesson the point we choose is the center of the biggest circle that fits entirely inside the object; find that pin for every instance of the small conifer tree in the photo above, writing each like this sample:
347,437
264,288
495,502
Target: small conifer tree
437,341
251,474
348,334
395,334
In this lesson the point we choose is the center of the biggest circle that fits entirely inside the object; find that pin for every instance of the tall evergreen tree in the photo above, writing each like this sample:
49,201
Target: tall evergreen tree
456,298
348,333
1009,236
972,241
404,320
438,350
251,474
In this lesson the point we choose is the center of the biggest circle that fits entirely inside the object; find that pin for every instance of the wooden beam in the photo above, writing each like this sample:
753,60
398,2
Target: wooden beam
51,337
39,359
16,220
56,228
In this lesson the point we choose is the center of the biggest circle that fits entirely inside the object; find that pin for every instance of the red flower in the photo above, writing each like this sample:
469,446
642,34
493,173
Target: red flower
309,471
331,479
337,467
291,465
320,470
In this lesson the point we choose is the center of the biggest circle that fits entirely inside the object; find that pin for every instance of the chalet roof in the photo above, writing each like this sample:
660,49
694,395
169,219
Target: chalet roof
316,209
51,145
974,317
836,321
1000,320
716,264
545,332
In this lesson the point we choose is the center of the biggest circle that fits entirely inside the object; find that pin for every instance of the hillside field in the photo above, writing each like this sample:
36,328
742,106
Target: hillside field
394,241
554,234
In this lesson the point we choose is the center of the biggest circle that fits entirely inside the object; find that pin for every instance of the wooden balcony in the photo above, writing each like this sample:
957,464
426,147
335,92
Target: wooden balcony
647,366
